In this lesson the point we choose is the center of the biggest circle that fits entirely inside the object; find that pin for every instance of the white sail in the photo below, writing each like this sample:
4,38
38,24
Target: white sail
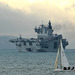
64,61
56,62
64,65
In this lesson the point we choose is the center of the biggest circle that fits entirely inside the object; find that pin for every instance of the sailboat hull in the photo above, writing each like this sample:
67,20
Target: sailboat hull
58,70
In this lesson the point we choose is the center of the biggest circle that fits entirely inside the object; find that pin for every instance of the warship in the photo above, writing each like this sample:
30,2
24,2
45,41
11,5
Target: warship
46,41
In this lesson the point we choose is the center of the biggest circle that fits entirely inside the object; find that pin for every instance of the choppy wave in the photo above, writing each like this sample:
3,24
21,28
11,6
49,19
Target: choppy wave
13,62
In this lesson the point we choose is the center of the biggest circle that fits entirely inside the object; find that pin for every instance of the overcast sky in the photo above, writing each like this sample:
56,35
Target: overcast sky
21,16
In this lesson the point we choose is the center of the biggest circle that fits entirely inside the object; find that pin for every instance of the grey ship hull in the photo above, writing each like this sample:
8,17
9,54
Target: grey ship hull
36,45
34,48
37,49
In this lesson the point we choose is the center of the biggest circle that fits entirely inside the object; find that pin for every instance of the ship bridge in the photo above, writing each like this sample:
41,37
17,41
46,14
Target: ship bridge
44,31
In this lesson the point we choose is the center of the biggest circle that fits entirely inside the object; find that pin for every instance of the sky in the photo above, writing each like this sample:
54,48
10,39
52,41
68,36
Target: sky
21,17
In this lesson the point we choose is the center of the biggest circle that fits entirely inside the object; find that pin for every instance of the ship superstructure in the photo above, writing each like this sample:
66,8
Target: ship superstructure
46,41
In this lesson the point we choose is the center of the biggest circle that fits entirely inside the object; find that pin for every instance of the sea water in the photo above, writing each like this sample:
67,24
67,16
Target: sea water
13,62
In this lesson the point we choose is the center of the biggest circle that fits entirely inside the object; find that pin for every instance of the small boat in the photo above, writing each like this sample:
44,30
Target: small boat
64,64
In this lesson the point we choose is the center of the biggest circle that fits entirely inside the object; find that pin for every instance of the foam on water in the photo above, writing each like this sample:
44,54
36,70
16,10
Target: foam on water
13,62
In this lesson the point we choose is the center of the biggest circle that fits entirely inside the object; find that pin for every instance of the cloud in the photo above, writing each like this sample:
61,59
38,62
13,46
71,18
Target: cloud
16,22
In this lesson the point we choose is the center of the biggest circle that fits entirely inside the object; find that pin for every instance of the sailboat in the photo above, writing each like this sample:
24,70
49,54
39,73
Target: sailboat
64,64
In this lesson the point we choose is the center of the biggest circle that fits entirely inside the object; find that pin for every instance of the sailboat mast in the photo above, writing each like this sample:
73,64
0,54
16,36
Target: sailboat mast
60,54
